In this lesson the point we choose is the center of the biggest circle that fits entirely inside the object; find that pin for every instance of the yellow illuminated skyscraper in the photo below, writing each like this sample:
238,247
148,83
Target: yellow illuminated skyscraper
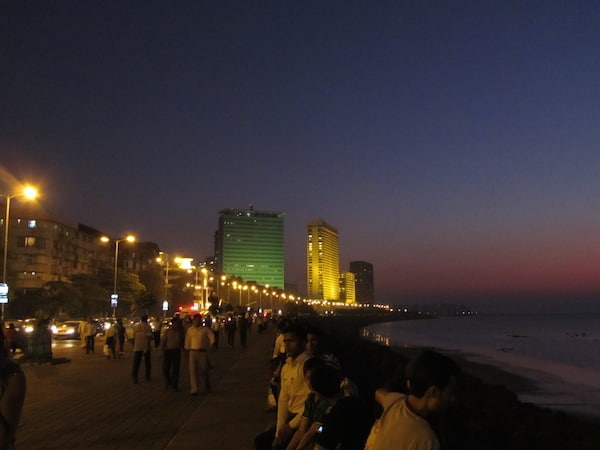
347,287
322,262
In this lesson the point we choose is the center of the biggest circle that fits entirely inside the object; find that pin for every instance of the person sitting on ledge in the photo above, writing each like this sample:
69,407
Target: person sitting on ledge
292,397
404,423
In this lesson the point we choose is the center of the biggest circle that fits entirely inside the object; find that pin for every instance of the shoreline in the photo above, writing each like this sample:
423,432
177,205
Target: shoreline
530,386
487,372
574,391
489,414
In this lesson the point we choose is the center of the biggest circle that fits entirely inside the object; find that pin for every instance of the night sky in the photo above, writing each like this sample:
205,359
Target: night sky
455,145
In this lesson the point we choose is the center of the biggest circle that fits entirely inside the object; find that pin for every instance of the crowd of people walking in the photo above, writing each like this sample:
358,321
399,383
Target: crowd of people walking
317,407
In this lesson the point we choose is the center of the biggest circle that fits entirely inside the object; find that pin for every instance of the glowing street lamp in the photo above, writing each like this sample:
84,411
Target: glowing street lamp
204,288
115,297
164,258
29,192
222,281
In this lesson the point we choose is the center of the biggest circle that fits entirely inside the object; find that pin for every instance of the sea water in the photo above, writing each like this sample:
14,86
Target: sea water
560,353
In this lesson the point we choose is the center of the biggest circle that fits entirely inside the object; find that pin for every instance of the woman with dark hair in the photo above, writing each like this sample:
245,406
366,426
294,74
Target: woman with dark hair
12,396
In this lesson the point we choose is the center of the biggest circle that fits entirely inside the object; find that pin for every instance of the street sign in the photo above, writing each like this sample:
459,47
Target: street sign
113,300
3,293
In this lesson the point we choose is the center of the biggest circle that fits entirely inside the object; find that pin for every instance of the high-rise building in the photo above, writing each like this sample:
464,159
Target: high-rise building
322,262
347,287
250,245
363,271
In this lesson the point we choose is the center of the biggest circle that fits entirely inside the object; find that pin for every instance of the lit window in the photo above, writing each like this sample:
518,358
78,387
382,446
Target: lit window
31,224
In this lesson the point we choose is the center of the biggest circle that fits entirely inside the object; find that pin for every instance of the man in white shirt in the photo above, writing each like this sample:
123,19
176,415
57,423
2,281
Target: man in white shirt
198,341
294,392
142,336
403,425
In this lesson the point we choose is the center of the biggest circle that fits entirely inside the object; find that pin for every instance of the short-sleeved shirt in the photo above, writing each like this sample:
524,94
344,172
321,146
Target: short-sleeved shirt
346,425
314,409
399,428
142,333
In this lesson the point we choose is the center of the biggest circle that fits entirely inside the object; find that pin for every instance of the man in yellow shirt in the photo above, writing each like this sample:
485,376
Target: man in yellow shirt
403,425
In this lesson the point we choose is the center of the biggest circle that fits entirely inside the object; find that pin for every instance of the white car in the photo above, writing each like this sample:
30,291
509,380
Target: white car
66,330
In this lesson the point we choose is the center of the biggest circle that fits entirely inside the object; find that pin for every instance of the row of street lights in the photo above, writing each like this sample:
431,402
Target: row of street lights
30,193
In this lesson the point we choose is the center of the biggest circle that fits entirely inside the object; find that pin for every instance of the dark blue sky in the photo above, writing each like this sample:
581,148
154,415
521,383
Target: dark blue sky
453,144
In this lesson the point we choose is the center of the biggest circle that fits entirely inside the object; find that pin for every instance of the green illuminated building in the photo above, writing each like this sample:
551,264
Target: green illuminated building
250,245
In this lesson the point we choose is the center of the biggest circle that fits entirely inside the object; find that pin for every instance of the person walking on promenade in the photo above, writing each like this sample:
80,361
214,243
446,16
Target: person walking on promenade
11,338
244,327
292,397
230,328
89,331
12,395
142,338
155,325
121,336
172,343
81,332
404,423
110,341
216,326
198,341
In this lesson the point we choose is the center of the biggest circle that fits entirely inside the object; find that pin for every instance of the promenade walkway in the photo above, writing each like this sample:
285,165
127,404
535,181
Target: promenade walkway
91,403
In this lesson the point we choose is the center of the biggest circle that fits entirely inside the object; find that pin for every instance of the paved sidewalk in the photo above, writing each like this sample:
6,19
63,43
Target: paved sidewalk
91,403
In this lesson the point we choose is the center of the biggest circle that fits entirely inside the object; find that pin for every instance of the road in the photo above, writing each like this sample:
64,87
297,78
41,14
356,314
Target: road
91,402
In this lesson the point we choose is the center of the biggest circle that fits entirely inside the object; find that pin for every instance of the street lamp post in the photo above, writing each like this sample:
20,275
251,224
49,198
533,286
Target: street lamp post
204,288
160,261
30,193
115,296
222,280
269,292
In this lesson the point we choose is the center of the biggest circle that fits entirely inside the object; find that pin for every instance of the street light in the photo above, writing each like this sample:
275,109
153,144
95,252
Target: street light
222,281
29,192
115,296
204,288
166,261
241,288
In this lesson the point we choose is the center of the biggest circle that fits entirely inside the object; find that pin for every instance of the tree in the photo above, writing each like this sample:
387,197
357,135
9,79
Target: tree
154,281
94,298
60,297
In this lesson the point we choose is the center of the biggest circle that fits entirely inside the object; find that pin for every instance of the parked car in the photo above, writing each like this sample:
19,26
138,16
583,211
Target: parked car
66,330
